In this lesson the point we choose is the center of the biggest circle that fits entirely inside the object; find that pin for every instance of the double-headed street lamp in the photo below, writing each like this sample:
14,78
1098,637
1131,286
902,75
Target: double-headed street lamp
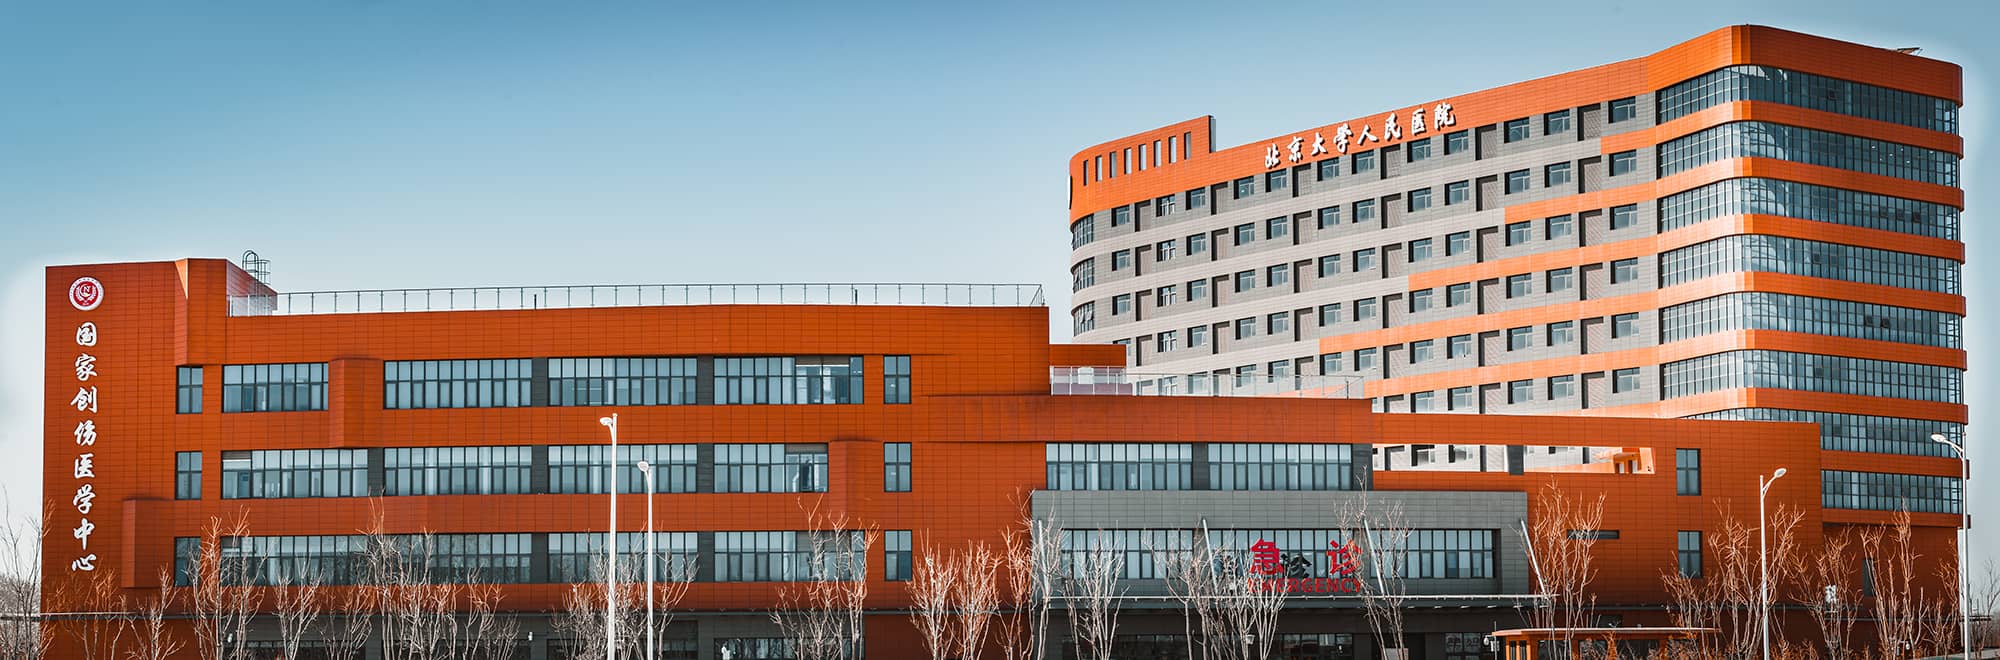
1964,541
1763,572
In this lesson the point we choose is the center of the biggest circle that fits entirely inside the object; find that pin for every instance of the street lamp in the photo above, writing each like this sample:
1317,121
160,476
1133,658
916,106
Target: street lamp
646,469
611,546
1964,540
1763,573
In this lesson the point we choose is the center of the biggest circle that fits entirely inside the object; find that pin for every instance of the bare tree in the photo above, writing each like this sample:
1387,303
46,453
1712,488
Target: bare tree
976,598
1561,540
1225,599
223,597
1093,591
1030,554
21,583
346,630
1384,542
1898,602
1985,605
1837,603
297,608
98,621
153,640
822,614
932,581
1726,594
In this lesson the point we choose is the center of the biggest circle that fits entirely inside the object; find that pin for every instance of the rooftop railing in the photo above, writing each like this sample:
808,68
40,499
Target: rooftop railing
1117,381
634,295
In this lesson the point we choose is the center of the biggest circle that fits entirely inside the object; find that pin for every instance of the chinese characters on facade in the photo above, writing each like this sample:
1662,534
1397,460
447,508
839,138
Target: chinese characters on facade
1269,570
84,295
1343,136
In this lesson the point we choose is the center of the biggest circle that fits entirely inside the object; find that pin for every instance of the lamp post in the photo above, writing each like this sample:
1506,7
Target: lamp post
646,468
611,547
1964,540
1763,572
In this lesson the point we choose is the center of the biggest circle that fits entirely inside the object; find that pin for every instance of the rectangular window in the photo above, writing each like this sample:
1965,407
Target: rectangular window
770,468
1561,387
896,467
1624,162
1197,336
1166,295
895,379
573,557
1246,280
1121,216
1119,466
1625,380
187,475
1420,250
1163,206
1121,260
1420,199
1167,341
1364,211
1276,228
1687,472
1329,364
287,473
1561,279
1197,244
1422,351
1559,226
1624,216
616,381
1456,192
1277,276
1121,304
789,556
1457,142
1520,285
897,558
1556,123
1329,216
1623,109
1556,175
1457,294
1624,325
273,387
1687,549
1517,130
1363,162
1517,181
1423,402
1420,300
1328,169
1457,346
1364,260
1329,265
1418,150
1624,270
1279,323
1245,233
1364,359
187,390
1329,314
1457,243
493,470
829,379
1521,338
1562,332
1246,328
1364,309
1165,250
1520,391
1245,187
572,469
1197,198
1197,290
1461,400
1274,181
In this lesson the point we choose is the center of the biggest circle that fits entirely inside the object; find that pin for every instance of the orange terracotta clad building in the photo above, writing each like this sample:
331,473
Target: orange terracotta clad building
466,422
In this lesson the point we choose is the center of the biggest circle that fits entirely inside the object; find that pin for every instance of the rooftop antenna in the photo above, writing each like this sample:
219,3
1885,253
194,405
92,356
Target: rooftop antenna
257,267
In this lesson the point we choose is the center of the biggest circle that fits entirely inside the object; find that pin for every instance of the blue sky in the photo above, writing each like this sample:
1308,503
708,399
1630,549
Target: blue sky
383,144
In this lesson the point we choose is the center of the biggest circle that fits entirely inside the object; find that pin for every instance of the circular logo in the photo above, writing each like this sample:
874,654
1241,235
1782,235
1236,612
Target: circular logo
85,293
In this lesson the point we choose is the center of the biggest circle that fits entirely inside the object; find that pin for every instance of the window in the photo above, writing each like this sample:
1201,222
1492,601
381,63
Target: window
273,387
831,379
896,556
770,468
1166,295
1364,359
1420,250
1121,260
1624,162
1245,233
1197,336
1279,323
896,467
573,381
1329,217
1457,346
1457,294
187,475
1805,90
574,556
1520,285
1423,402
1274,181
895,379
187,390
1119,466
1328,169
1520,391
1277,276
1559,226
1810,202
1163,206
1166,341
1556,175
1279,467
1197,198
1624,270
488,471
1422,351
1165,250
1624,325
1561,279
1329,314
1121,216
1329,265
1517,181
1364,309
1084,318
1420,300
1364,260
1624,216
286,473
1197,244
1521,338
1329,364
788,556
1516,130
1562,332
1363,162
1812,372
1245,280
1820,316
1245,187
1556,123
1364,211
1687,549
1780,254
574,469
1276,228
1624,109
1461,399
1879,491
1456,192
1687,472
1457,142
1625,380
1121,304
1457,243
1420,199
1246,328
1083,275
1197,290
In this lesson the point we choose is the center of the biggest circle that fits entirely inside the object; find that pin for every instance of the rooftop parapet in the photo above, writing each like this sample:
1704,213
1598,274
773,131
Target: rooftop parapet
634,295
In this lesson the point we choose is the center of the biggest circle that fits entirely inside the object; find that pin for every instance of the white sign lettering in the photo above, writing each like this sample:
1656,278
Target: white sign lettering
86,367
1393,127
85,295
